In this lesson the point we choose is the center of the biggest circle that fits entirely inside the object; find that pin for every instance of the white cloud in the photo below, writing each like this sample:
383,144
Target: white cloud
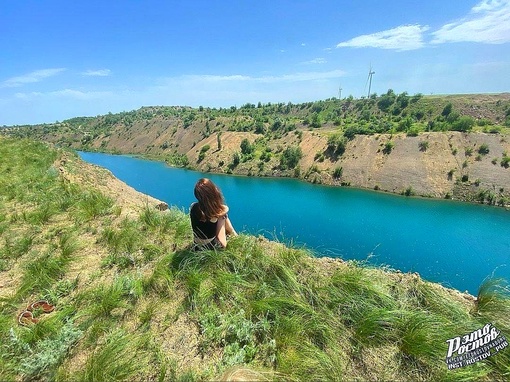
404,37
488,22
215,78
64,93
318,60
32,77
97,73
303,76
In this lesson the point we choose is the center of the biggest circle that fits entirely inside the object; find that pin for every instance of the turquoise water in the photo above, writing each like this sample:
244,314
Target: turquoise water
456,244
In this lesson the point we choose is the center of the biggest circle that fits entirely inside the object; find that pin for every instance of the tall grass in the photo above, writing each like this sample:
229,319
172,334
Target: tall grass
42,273
93,204
118,359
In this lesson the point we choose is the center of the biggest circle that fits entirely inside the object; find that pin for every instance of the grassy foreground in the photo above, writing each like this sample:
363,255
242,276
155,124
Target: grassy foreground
132,303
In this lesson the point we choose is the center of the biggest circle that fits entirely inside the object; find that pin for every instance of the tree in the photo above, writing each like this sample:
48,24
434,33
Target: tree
218,139
464,123
246,147
447,109
316,121
336,144
386,100
290,157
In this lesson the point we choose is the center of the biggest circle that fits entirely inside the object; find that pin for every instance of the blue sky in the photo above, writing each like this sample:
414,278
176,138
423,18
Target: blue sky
63,59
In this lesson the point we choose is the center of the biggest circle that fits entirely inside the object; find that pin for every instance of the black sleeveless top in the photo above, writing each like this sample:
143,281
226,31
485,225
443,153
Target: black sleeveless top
201,229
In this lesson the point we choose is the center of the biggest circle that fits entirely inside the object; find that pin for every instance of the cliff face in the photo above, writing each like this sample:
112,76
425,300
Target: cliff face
256,141
465,166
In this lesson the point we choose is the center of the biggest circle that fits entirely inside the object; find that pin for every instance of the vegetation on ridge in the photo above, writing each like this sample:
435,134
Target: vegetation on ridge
133,303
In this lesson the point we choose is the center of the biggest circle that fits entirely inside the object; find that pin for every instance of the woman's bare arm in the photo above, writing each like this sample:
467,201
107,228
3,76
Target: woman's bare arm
229,228
221,234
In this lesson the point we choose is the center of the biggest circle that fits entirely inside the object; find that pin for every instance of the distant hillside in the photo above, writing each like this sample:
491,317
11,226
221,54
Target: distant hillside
453,146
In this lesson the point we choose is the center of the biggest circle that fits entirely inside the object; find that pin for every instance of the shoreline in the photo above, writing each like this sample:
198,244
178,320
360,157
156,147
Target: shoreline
333,185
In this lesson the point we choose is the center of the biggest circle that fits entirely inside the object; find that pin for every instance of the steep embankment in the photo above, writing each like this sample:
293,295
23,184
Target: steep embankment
133,303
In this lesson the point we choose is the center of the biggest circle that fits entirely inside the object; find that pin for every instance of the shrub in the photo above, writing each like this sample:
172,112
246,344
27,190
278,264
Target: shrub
423,145
337,144
178,160
464,123
386,100
236,159
316,121
319,157
408,191
483,149
246,147
505,161
447,109
413,131
50,352
337,173
201,155
290,157
388,147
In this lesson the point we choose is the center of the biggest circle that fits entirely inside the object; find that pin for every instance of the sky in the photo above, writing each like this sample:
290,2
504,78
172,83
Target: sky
61,59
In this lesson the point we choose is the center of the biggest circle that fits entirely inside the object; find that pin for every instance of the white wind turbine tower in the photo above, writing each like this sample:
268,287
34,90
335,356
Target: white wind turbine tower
369,80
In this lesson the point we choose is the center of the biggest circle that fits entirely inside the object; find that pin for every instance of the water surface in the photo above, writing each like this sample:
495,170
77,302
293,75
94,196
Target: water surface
456,244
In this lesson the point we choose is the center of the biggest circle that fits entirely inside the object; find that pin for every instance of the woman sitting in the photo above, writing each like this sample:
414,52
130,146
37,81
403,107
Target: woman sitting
209,218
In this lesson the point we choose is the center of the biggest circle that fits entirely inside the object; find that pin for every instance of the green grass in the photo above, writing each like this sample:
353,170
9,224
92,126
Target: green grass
116,360
42,272
261,305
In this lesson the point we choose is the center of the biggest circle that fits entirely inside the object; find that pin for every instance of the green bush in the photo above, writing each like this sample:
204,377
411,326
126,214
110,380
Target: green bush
337,144
464,123
178,160
388,147
505,161
49,353
246,147
290,157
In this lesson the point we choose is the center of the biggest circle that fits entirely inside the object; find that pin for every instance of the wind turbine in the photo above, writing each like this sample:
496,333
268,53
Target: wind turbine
369,80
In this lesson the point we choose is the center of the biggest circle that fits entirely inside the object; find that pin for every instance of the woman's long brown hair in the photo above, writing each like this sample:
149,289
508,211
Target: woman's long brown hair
210,199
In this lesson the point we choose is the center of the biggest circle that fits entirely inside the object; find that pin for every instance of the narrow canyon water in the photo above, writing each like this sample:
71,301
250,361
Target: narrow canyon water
453,243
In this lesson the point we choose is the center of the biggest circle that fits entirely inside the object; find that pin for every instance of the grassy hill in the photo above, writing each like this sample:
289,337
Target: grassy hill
436,146
133,303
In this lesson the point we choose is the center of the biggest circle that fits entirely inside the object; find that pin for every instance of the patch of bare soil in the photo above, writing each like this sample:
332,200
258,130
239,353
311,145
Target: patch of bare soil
86,175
